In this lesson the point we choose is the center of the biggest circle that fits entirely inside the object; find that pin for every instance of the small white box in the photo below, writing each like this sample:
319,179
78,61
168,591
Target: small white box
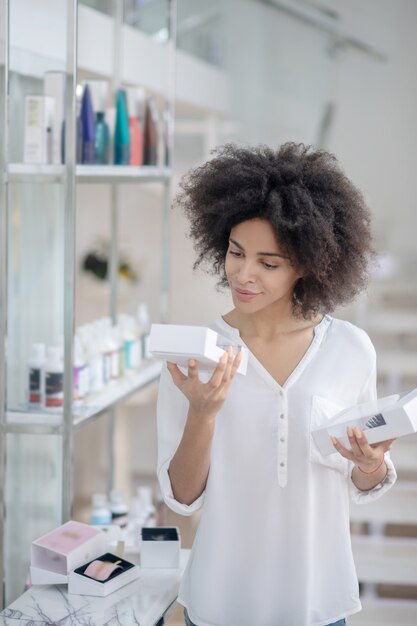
39,112
54,87
160,547
81,584
178,344
387,418
64,549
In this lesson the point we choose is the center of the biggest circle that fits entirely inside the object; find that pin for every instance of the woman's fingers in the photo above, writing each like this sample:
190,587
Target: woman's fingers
177,376
219,371
192,369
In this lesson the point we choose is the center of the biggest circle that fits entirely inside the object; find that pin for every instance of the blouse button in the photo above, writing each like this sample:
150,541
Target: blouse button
282,439
282,464
282,416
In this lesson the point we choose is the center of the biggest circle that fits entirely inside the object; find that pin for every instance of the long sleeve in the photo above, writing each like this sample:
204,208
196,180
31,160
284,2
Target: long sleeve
172,408
369,393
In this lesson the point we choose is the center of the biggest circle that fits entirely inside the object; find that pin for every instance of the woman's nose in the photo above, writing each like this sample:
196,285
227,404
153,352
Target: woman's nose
246,272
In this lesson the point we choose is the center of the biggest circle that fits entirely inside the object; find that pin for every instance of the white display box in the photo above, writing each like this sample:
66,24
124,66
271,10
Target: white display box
178,344
39,113
81,584
63,550
160,547
387,418
54,87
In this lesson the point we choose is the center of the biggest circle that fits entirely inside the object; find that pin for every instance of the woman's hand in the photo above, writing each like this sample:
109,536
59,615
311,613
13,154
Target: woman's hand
206,399
367,457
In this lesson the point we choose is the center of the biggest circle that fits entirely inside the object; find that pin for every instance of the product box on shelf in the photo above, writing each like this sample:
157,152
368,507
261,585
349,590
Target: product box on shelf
179,343
386,418
102,576
67,547
160,547
38,129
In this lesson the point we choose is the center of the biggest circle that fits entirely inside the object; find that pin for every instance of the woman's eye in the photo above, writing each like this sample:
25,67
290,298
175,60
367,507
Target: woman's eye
234,253
268,266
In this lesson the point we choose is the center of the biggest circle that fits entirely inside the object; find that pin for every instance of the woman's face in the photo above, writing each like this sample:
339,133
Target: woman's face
258,272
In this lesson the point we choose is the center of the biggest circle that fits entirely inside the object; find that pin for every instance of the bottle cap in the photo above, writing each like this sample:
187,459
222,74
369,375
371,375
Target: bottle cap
99,499
99,94
54,353
116,496
145,495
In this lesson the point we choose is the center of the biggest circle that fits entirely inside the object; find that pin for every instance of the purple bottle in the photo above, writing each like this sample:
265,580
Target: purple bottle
89,132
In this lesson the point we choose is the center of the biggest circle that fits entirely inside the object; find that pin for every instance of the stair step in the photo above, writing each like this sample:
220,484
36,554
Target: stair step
396,506
391,560
386,612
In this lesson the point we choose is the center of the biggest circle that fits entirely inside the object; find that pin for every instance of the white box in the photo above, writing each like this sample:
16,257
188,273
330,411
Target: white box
178,344
54,86
160,547
80,584
63,550
387,418
39,112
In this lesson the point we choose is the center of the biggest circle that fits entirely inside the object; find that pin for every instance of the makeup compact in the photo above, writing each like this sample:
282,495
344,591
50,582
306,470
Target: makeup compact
102,576
178,344
63,549
386,418
160,547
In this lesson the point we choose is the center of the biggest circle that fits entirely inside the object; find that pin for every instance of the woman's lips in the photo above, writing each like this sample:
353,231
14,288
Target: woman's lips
245,296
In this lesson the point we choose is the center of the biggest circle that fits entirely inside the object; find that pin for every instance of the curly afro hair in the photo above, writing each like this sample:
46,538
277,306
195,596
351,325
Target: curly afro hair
319,217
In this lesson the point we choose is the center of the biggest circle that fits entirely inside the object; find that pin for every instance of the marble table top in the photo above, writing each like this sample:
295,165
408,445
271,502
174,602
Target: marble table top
144,602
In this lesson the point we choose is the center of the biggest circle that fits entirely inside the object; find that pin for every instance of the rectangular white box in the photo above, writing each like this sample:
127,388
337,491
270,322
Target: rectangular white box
178,344
160,547
387,418
54,87
39,112
65,549
83,585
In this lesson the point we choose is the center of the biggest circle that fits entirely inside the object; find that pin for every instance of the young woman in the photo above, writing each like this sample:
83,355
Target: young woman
289,234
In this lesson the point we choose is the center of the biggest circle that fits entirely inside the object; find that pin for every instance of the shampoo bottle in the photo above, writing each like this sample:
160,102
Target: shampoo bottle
54,378
100,512
151,133
89,134
121,131
102,141
135,129
36,376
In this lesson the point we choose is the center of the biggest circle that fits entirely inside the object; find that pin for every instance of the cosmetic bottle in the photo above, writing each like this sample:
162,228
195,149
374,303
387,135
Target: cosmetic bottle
151,133
144,326
116,335
119,509
145,496
78,137
94,359
121,130
81,376
98,89
135,128
89,135
54,378
100,512
36,376
131,344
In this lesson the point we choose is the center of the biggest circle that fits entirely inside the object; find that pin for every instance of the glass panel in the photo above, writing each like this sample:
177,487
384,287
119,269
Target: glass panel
33,501
104,6
149,16
35,279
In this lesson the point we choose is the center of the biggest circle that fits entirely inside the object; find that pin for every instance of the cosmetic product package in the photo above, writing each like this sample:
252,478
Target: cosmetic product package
103,575
135,127
160,547
39,116
150,156
178,344
386,418
89,128
99,94
54,87
67,547
121,130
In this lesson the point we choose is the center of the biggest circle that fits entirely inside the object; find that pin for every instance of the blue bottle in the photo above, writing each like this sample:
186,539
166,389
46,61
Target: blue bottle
121,131
99,91
89,133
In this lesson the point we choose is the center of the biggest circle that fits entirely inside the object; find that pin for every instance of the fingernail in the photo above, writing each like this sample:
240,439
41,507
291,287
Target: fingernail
191,362
350,431
358,433
334,441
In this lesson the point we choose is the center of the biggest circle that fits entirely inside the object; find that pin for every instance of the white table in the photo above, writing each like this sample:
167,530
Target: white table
146,602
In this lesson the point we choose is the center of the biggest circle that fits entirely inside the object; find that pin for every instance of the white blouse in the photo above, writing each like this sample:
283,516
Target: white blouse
273,543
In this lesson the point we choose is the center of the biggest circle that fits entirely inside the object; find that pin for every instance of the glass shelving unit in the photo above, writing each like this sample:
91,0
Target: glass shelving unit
37,276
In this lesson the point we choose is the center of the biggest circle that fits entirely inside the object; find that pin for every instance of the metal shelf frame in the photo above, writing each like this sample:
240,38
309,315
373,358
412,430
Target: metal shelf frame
69,175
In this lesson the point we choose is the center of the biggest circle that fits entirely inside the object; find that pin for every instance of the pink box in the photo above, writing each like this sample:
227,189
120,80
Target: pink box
66,548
